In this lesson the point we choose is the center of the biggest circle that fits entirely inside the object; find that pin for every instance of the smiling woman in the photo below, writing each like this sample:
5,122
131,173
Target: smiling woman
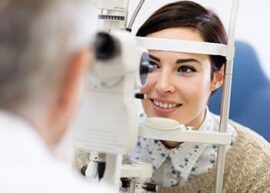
181,79
182,83
179,88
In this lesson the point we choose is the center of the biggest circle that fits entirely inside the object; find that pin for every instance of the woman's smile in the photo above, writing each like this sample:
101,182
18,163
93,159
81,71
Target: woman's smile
164,107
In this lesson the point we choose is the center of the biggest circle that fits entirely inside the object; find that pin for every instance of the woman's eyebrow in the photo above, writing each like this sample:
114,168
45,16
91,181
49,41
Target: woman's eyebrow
180,61
154,58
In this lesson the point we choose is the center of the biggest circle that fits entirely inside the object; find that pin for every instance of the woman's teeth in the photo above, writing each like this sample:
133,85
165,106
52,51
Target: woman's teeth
165,105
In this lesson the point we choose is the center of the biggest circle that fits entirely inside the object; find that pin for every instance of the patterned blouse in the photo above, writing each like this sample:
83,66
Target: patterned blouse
176,166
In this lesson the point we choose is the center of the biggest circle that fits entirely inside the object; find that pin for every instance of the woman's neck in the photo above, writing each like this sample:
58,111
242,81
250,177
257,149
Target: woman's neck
171,144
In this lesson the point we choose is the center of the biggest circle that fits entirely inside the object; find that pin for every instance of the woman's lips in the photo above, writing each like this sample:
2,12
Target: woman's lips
164,107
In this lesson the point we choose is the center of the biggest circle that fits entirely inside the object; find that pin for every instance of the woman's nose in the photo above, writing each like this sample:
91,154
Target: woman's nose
165,83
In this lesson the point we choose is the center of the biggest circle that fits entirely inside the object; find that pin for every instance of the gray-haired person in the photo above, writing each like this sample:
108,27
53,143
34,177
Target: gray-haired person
44,52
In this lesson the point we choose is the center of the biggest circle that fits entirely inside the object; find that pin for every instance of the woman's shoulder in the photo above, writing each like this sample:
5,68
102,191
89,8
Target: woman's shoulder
249,137
248,160
245,136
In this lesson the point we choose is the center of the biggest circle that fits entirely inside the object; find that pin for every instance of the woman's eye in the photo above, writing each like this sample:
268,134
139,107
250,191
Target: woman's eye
153,65
186,69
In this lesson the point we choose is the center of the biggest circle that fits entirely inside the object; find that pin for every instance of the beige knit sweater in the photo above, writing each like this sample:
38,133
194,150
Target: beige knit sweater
247,168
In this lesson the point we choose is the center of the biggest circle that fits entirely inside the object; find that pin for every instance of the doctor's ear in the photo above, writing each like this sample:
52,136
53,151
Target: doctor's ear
218,78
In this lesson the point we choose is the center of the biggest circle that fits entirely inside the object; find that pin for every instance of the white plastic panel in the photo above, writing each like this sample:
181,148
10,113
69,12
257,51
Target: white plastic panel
182,46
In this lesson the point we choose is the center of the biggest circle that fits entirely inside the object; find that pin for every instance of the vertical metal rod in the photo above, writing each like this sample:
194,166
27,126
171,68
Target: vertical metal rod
226,96
134,15
126,13
113,170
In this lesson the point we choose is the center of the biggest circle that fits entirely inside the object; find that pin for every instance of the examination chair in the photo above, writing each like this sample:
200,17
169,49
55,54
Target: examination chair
250,98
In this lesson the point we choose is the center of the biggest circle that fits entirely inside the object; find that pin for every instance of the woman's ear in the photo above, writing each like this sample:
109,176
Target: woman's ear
218,79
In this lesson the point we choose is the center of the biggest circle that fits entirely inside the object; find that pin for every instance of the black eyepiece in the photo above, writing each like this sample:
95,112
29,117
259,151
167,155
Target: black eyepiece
106,46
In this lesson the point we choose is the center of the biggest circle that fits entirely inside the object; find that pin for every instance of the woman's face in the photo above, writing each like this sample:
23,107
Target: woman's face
180,85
